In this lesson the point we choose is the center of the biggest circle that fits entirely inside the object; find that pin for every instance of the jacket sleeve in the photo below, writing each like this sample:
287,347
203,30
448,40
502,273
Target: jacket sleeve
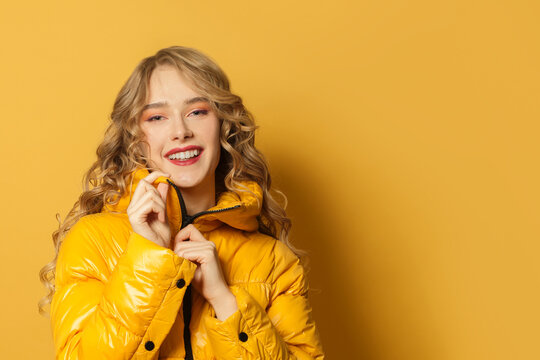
122,315
285,330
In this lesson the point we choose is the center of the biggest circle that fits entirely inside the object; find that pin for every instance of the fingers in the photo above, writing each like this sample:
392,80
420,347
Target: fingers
147,210
190,232
148,203
144,186
163,189
147,180
190,239
150,178
184,246
199,252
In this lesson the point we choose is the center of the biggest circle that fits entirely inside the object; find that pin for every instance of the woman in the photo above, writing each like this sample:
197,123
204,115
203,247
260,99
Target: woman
176,248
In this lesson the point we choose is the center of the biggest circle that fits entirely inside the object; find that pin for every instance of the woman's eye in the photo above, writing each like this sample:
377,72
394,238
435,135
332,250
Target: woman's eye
200,112
155,117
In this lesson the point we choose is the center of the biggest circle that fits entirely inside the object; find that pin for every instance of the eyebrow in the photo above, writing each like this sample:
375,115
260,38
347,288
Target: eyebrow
164,103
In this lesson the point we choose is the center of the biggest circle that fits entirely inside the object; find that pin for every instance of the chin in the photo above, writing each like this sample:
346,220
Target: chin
182,182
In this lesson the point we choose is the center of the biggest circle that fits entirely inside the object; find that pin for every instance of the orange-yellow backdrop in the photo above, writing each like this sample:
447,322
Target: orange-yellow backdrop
404,132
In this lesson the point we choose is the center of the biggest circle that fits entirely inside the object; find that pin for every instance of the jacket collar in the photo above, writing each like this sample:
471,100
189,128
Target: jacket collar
239,210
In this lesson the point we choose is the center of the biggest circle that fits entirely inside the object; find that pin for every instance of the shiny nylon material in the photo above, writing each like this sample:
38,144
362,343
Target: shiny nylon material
117,295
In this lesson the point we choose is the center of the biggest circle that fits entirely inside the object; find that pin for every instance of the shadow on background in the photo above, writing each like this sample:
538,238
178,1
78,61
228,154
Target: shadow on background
344,328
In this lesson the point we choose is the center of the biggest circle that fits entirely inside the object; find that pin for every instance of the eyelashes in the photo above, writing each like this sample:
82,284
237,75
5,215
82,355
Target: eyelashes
154,118
195,113
203,112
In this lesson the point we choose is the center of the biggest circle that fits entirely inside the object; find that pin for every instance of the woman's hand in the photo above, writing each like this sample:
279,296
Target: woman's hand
208,279
147,210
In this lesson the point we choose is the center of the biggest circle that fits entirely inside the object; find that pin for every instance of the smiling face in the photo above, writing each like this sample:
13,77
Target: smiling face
181,129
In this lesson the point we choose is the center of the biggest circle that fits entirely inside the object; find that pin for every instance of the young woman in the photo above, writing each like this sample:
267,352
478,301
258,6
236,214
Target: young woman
177,249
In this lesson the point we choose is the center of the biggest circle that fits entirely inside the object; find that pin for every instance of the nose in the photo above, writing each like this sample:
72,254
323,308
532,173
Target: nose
179,129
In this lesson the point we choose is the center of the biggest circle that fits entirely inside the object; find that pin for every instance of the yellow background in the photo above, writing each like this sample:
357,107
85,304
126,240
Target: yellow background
404,132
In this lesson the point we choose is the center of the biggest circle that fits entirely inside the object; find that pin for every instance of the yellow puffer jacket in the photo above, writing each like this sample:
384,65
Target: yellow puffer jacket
121,296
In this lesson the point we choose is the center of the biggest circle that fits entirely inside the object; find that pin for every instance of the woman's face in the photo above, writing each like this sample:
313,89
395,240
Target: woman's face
181,129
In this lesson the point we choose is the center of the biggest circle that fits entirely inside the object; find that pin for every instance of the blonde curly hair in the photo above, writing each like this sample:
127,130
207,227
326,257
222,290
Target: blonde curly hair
120,152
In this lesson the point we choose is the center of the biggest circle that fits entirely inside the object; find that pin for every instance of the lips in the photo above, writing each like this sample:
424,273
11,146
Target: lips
186,148
184,156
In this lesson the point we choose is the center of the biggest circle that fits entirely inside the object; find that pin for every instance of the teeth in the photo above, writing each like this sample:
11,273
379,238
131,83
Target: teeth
184,155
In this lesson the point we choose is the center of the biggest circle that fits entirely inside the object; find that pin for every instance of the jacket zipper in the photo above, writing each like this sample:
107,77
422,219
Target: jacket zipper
186,309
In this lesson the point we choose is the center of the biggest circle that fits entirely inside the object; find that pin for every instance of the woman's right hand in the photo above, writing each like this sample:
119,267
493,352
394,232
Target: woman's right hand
147,210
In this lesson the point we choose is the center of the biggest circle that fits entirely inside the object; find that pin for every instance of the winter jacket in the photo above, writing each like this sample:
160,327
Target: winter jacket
119,295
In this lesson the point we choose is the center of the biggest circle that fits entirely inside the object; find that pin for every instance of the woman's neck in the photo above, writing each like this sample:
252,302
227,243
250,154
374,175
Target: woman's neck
199,198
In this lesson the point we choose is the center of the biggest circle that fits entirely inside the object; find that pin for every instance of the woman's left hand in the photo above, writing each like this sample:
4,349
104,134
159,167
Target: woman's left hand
208,280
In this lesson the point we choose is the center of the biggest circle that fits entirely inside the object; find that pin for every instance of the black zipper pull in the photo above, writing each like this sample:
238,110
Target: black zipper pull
187,219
